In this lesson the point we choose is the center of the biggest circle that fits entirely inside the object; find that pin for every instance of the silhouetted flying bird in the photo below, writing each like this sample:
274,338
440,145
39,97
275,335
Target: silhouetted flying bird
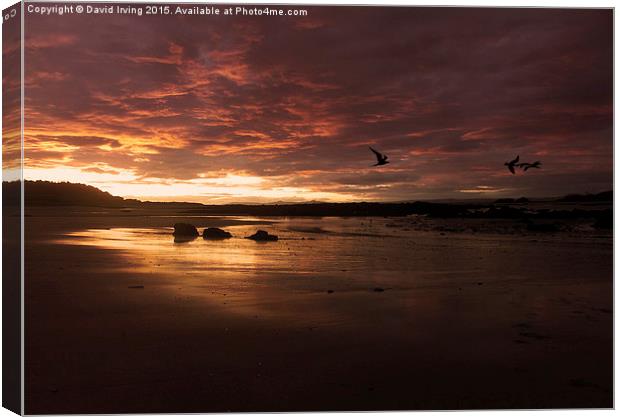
525,166
381,158
511,164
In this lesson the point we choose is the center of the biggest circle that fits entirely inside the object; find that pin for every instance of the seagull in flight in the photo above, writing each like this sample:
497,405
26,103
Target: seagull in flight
381,158
525,166
511,164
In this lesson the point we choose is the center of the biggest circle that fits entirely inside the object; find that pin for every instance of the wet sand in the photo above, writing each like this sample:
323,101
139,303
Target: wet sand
119,318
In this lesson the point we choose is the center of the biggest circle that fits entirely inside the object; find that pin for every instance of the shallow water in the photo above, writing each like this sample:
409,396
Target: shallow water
342,257
365,251
371,250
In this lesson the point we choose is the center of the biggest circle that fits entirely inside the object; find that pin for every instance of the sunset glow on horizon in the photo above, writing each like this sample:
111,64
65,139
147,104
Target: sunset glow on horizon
245,109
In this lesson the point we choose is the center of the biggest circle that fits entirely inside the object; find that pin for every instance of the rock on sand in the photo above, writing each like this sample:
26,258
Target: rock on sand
215,233
262,236
185,229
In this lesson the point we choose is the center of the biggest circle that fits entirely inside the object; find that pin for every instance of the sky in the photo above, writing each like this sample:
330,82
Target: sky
263,109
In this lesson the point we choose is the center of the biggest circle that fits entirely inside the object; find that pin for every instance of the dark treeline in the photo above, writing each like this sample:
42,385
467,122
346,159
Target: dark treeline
46,193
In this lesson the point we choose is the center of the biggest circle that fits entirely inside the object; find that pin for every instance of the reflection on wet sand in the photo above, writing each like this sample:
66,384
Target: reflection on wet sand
343,255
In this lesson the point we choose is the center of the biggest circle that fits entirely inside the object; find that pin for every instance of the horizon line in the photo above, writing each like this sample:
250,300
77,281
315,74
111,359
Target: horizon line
257,203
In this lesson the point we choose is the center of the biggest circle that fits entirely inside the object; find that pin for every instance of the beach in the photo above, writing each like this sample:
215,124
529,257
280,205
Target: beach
347,313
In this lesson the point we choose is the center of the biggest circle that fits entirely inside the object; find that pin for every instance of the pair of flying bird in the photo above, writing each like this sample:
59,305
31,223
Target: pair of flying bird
523,165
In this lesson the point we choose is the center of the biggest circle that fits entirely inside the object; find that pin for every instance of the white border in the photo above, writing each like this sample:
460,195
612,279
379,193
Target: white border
477,3
21,215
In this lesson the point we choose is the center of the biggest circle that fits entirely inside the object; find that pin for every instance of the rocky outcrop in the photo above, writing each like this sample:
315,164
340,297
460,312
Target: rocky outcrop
215,233
185,230
262,236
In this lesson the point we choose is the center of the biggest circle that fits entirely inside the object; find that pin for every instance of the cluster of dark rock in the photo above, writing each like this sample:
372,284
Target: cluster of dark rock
503,208
185,231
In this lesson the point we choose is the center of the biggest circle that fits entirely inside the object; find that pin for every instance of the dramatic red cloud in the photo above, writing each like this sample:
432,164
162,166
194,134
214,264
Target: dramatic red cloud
219,109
